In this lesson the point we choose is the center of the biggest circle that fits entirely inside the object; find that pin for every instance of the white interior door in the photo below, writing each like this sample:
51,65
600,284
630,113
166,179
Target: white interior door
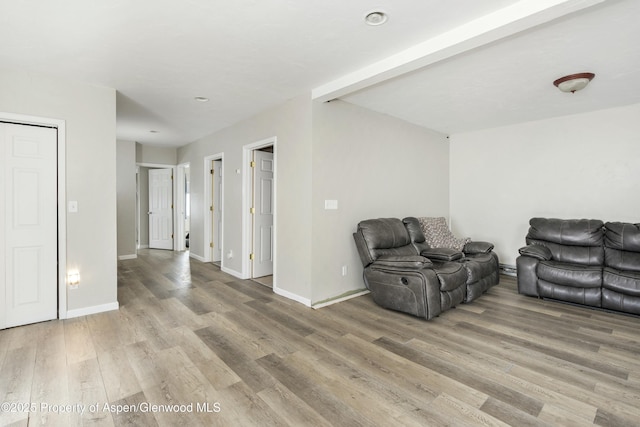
216,210
160,209
28,225
263,214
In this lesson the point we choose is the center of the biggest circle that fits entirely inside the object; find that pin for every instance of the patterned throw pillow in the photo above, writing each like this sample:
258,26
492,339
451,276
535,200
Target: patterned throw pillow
437,234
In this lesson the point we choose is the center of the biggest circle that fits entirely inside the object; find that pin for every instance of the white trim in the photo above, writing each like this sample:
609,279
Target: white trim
86,311
180,244
137,207
196,257
292,296
232,272
247,203
123,257
62,198
155,165
143,246
337,300
207,202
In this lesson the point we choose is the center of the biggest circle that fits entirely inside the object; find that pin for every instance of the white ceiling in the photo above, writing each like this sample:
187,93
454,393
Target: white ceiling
511,81
248,55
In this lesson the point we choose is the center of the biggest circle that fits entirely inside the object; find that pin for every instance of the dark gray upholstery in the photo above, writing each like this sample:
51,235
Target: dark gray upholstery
399,278
621,274
583,261
480,262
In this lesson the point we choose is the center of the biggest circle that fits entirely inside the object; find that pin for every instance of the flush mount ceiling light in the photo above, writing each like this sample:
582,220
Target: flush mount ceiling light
574,82
201,99
153,131
376,17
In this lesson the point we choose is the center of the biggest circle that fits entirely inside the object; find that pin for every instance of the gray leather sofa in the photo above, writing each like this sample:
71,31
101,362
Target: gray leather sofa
582,261
404,274
478,259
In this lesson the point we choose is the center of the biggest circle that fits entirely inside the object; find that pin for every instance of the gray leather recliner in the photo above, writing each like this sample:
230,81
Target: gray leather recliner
399,278
621,272
582,261
563,260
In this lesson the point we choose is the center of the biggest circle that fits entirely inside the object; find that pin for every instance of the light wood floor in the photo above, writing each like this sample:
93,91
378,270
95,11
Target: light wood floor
233,353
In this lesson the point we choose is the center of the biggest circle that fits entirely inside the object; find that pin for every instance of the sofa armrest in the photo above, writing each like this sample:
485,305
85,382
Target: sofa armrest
478,248
395,262
442,254
536,251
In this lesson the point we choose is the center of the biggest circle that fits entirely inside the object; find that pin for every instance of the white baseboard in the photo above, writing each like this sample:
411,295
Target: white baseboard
196,257
337,300
123,257
292,296
92,310
232,272
143,246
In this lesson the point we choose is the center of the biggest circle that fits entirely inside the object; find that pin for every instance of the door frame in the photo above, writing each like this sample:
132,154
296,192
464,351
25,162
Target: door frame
173,198
60,126
247,201
180,198
205,208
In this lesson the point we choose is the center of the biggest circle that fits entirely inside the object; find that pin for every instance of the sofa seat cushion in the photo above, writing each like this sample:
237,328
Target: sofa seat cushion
622,282
579,276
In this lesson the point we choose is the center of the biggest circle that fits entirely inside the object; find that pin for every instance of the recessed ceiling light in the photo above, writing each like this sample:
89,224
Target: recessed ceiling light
153,131
376,17
201,99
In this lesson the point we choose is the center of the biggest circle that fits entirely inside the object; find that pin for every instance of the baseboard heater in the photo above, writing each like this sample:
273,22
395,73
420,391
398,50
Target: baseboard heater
509,270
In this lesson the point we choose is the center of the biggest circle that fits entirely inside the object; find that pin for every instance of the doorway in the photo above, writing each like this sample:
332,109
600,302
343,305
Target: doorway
31,288
214,209
144,209
260,215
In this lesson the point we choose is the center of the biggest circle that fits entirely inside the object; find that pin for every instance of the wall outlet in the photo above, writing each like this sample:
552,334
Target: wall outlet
230,254
345,270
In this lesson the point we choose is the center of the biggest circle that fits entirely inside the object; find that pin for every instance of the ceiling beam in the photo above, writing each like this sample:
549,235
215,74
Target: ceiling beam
502,23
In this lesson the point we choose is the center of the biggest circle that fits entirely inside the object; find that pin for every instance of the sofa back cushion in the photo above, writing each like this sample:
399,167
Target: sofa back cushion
576,241
622,245
382,236
415,233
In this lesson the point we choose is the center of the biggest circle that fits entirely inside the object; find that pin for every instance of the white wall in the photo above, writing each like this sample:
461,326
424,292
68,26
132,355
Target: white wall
578,166
375,166
156,155
126,197
291,124
90,115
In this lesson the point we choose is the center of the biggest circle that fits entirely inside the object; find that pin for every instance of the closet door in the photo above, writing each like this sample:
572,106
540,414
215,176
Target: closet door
161,209
28,224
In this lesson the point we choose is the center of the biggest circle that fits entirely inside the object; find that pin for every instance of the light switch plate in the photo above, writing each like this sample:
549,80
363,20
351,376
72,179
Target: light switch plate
73,206
331,204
